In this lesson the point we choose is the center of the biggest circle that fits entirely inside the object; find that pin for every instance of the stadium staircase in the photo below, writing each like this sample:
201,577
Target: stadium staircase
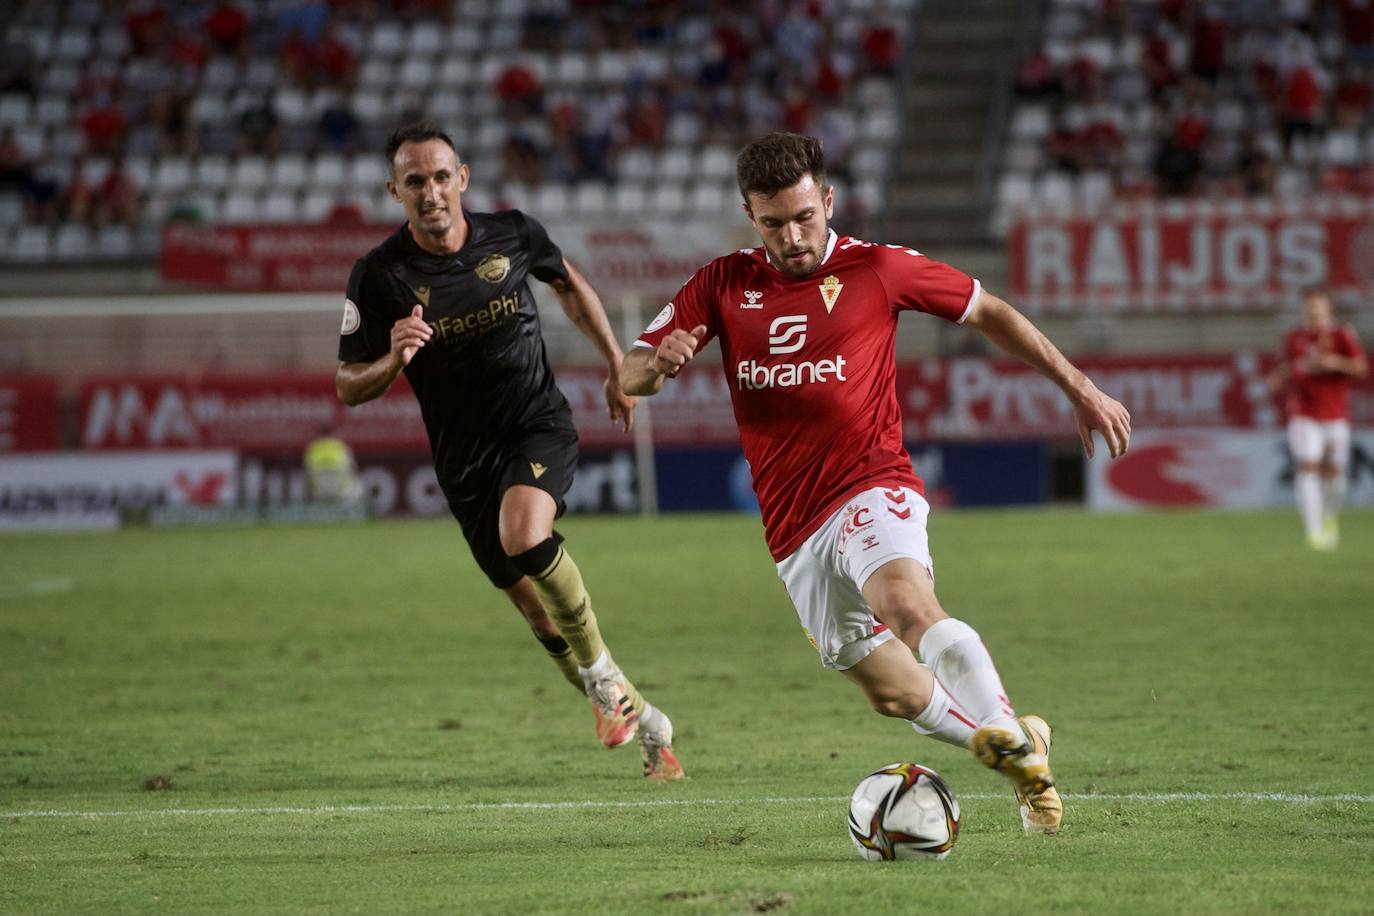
956,94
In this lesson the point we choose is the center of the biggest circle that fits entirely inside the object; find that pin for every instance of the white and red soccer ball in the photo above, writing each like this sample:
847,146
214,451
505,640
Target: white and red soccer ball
903,811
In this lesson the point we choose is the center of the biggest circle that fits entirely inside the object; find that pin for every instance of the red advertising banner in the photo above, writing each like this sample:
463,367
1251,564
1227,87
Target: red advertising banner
1193,255
28,414
239,411
257,258
956,400
284,412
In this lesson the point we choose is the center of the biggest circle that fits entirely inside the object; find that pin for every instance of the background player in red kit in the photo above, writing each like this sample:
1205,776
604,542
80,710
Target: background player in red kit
1319,360
806,324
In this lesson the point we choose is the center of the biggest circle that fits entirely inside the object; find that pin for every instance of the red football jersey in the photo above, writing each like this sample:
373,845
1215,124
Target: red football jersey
811,369
1315,394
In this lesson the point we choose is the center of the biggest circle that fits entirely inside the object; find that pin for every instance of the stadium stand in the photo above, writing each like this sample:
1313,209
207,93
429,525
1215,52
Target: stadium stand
1178,98
269,111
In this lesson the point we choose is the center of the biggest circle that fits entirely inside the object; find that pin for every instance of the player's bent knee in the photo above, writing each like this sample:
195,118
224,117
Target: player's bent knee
521,541
903,705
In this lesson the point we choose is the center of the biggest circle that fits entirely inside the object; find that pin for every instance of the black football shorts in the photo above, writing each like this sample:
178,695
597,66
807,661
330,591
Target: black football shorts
546,459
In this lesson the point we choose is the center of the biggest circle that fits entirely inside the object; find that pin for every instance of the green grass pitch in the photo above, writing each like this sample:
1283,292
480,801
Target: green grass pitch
348,720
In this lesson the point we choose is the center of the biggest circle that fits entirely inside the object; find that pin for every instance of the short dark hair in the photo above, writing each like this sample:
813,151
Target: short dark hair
777,161
1315,290
416,132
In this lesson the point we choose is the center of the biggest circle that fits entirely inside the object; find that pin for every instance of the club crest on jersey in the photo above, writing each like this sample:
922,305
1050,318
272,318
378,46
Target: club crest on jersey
493,268
830,291
351,319
754,299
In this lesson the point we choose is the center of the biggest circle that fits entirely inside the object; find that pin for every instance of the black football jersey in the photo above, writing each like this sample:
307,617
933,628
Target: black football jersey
484,375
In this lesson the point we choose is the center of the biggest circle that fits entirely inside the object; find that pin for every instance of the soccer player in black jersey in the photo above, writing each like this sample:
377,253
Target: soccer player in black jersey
446,300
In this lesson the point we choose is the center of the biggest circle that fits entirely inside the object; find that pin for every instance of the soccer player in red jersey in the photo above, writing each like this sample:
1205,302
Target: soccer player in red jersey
1318,362
806,324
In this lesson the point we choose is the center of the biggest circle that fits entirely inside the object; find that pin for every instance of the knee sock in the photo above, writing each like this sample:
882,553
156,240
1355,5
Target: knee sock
960,662
561,655
943,720
558,583
1307,487
1334,493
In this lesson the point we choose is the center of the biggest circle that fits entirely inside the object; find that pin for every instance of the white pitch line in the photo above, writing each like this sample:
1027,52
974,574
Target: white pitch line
38,587
1144,797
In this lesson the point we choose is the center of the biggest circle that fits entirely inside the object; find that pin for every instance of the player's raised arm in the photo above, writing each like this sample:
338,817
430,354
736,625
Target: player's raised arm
584,309
644,369
359,382
1013,332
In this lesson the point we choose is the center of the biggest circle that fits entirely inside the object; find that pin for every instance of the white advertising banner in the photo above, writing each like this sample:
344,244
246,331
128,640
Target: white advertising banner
92,490
1221,468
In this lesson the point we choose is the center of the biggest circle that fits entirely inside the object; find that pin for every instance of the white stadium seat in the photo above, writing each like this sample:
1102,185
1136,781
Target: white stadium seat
248,173
211,173
240,207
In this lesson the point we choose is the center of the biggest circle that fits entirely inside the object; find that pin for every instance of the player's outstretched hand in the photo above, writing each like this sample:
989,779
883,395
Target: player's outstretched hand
1109,417
677,349
620,405
410,334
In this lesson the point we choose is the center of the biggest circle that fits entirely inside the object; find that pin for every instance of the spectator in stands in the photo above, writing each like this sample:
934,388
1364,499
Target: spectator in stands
305,17
1157,60
227,27
1357,28
16,169
338,127
542,26
1257,167
522,161
146,27
186,55
520,91
1038,76
1209,34
259,128
881,44
170,112
296,57
103,125
335,59
1303,101
1177,164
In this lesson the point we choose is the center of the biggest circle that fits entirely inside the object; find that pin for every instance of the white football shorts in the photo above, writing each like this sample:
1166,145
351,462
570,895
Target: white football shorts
825,576
1308,439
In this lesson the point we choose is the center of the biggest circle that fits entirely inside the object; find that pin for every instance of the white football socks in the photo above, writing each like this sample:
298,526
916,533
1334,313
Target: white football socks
1334,493
943,720
961,663
1307,487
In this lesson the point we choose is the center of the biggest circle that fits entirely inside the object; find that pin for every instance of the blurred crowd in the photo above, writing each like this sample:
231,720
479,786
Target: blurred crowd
1183,97
141,80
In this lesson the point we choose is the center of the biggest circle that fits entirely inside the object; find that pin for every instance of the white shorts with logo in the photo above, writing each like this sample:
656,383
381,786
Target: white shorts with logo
825,576
1310,439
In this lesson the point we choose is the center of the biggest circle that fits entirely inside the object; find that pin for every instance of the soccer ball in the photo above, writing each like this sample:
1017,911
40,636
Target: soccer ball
903,811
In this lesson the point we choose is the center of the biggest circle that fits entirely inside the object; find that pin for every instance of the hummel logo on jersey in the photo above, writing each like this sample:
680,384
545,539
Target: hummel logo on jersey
538,469
830,291
755,298
786,334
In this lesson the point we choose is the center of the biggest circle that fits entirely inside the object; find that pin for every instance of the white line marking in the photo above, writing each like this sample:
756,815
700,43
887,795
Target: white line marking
38,587
1143,797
